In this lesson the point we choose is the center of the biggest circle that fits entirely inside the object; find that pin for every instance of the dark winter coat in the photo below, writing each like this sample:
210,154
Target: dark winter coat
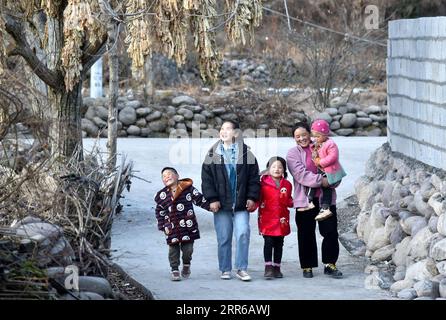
175,214
215,182
274,216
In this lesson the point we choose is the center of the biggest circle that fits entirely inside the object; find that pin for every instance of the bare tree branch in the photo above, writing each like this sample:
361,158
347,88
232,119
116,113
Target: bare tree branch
14,28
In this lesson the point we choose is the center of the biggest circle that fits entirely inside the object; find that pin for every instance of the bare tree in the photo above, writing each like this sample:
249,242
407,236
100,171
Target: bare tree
60,41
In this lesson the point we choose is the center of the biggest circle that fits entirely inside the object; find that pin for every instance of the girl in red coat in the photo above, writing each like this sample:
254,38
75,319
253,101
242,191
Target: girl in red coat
274,217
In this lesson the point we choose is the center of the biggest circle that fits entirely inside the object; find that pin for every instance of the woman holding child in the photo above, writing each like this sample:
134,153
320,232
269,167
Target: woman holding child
305,176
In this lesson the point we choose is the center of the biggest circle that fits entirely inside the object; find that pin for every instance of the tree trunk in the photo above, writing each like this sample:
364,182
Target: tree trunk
65,127
149,88
114,88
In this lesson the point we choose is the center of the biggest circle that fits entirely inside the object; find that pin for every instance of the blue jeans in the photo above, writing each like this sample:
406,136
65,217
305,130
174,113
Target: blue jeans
227,222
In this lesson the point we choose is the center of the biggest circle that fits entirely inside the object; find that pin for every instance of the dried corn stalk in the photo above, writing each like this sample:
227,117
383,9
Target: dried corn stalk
79,23
202,23
191,4
51,7
2,47
138,37
246,15
171,27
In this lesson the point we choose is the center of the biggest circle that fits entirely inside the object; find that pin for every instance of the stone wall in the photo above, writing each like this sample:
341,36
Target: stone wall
416,75
178,114
402,225
348,119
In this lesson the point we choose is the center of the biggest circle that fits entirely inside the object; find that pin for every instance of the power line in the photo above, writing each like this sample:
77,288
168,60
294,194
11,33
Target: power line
314,25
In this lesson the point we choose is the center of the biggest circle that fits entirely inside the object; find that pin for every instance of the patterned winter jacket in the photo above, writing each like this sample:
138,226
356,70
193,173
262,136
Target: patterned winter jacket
175,214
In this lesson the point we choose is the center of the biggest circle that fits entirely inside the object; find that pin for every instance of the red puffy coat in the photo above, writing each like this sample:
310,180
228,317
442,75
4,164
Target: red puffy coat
274,216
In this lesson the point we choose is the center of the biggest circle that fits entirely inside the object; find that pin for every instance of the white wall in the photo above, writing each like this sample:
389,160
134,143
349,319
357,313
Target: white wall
416,88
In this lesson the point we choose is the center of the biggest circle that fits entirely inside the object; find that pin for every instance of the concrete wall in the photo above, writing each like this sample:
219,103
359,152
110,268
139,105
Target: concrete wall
416,88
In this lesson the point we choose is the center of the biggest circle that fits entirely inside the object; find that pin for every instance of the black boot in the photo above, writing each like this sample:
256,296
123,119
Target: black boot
269,272
277,273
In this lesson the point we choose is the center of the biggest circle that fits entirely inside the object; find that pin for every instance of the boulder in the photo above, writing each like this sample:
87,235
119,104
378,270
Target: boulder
432,224
400,273
348,120
180,100
397,235
143,112
419,245
335,125
383,254
442,288
324,116
407,294
127,116
89,127
155,115
441,224
39,231
134,130
363,122
377,239
373,109
344,132
186,113
438,203
418,271
421,206
401,285
134,104
401,253
102,113
97,285
438,250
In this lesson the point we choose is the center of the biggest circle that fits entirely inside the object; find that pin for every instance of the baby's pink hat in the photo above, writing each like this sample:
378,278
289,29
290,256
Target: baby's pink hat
321,126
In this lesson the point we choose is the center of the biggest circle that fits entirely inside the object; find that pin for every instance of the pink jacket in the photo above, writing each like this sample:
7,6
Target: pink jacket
329,155
302,178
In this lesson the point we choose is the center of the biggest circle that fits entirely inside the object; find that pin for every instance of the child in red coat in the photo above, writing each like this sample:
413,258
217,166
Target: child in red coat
274,217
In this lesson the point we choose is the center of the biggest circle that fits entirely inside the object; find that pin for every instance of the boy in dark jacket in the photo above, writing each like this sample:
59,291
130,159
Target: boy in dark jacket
175,214
230,182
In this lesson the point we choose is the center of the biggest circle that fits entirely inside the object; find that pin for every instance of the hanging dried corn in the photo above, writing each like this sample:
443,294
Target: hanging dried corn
204,39
246,15
138,33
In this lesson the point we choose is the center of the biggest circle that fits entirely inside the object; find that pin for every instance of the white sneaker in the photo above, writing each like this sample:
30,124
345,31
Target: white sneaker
323,214
226,275
243,275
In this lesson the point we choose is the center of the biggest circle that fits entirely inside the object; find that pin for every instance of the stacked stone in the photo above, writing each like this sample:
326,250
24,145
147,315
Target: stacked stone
244,70
46,244
403,224
179,114
348,119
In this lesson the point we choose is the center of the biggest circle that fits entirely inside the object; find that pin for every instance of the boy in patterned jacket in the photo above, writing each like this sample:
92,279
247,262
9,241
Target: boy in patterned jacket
175,214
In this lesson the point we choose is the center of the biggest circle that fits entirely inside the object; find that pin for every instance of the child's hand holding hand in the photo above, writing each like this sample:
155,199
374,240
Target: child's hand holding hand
317,161
214,206
250,205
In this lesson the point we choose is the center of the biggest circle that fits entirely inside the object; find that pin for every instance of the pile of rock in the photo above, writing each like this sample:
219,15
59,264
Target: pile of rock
43,241
402,225
348,119
180,114
237,71
137,120
45,245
